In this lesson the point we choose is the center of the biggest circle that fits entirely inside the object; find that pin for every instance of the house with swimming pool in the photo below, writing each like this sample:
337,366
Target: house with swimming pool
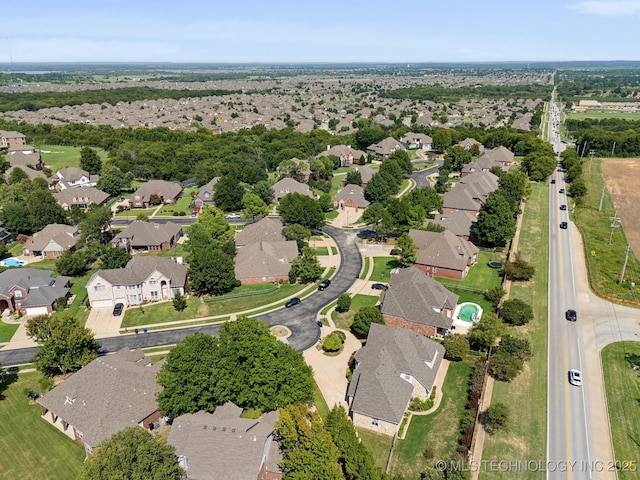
418,302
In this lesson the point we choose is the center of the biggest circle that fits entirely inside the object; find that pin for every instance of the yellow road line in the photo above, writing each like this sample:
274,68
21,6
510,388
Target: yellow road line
566,407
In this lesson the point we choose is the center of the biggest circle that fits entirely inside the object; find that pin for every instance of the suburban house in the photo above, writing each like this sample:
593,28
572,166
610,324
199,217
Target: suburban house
412,141
11,139
81,197
366,172
205,195
461,224
212,446
108,395
385,147
303,170
418,302
167,192
351,196
142,236
72,177
482,164
289,185
264,261
395,366
52,241
470,194
31,291
501,156
468,143
443,254
31,173
144,279
267,229
25,157
346,154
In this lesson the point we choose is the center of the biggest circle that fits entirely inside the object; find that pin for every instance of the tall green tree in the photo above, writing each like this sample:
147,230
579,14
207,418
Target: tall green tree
229,193
114,257
363,319
298,208
253,207
484,332
297,232
496,224
133,454
90,161
114,181
211,272
408,250
95,225
72,263
306,267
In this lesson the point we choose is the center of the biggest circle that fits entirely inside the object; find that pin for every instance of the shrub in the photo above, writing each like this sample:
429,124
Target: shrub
516,312
519,270
456,347
496,418
331,343
494,295
344,303
342,335
505,366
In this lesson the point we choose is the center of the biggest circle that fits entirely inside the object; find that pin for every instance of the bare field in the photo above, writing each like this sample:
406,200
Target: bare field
622,176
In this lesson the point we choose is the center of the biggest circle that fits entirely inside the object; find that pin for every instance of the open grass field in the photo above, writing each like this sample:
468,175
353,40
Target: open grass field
605,247
599,113
56,157
527,394
438,430
480,275
622,385
32,448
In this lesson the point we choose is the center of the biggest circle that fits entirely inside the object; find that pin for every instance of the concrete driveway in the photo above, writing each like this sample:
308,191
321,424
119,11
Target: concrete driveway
102,322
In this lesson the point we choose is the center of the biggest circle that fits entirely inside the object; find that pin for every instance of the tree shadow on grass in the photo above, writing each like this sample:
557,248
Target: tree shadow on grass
7,377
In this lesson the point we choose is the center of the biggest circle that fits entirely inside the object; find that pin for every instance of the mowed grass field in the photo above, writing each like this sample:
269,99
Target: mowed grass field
622,385
56,157
527,394
32,449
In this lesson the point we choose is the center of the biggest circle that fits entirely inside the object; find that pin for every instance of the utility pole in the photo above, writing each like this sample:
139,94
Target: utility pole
624,265
584,147
604,186
615,223
613,149
591,154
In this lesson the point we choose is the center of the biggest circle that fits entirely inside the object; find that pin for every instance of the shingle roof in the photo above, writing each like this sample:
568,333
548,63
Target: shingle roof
268,229
206,191
71,174
355,193
65,236
81,196
443,249
289,185
265,259
221,445
366,172
377,388
160,187
107,395
142,234
500,155
140,268
459,223
471,192
342,150
26,278
418,298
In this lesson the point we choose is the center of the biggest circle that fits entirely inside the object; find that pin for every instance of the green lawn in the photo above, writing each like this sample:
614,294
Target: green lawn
33,449
365,268
604,259
438,430
7,330
321,251
598,114
58,156
184,204
378,444
527,394
622,385
78,288
134,212
480,275
344,320
198,308
382,267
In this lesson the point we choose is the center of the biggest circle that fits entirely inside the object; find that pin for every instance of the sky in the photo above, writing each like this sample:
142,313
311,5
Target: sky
303,31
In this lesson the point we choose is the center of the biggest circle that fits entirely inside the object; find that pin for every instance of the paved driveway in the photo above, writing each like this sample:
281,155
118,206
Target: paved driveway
102,322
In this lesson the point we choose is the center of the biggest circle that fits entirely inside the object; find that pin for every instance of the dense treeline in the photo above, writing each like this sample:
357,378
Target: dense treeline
611,84
439,93
608,137
33,101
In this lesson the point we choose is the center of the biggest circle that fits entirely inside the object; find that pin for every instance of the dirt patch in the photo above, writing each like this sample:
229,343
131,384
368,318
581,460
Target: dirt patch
622,176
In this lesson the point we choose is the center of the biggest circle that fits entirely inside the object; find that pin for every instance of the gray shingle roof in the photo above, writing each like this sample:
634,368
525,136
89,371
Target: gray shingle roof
500,155
355,193
143,234
459,223
81,196
206,191
31,279
443,249
160,187
140,268
268,229
265,259
107,395
366,172
472,191
377,388
418,298
221,445
65,236
289,185
72,174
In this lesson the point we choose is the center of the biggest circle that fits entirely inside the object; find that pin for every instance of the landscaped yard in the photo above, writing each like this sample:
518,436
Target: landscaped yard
32,448
439,431
198,308
184,204
480,275
378,444
622,385
382,267
527,393
135,212
344,320
7,330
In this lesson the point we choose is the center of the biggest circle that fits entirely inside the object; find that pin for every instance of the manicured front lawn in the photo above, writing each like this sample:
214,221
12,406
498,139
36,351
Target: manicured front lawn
480,275
344,320
321,251
7,330
527,393
382,267
79,289
32,448
184,204
622,385
439,430
135,212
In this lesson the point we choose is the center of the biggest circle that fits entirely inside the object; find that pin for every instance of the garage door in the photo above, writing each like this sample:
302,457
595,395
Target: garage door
36,311
122,300
102,303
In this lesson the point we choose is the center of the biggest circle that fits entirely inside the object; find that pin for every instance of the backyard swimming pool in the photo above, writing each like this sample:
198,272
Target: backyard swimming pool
466,314
12,262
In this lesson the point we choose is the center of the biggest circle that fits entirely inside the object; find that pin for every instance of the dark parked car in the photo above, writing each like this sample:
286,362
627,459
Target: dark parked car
563,225
561,190
379,286
395,251
292,301
571,315
553,180
563,207
324,284
117,309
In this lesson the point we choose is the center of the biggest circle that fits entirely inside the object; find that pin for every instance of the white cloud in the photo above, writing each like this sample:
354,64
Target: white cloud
606,8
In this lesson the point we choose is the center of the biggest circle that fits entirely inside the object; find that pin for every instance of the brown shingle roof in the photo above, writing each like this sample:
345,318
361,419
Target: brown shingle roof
268,229
140,268
443,249
143,234
265,259
65,236
81,196
160,187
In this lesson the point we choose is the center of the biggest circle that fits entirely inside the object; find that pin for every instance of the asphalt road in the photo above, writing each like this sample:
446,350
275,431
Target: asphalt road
420,176
300,319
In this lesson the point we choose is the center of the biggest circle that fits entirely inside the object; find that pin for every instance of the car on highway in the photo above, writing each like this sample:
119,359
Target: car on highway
553,180
571,315
292,301
575,377
563,207
324,284
561,190
117,309
233,216
379,286
564,225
